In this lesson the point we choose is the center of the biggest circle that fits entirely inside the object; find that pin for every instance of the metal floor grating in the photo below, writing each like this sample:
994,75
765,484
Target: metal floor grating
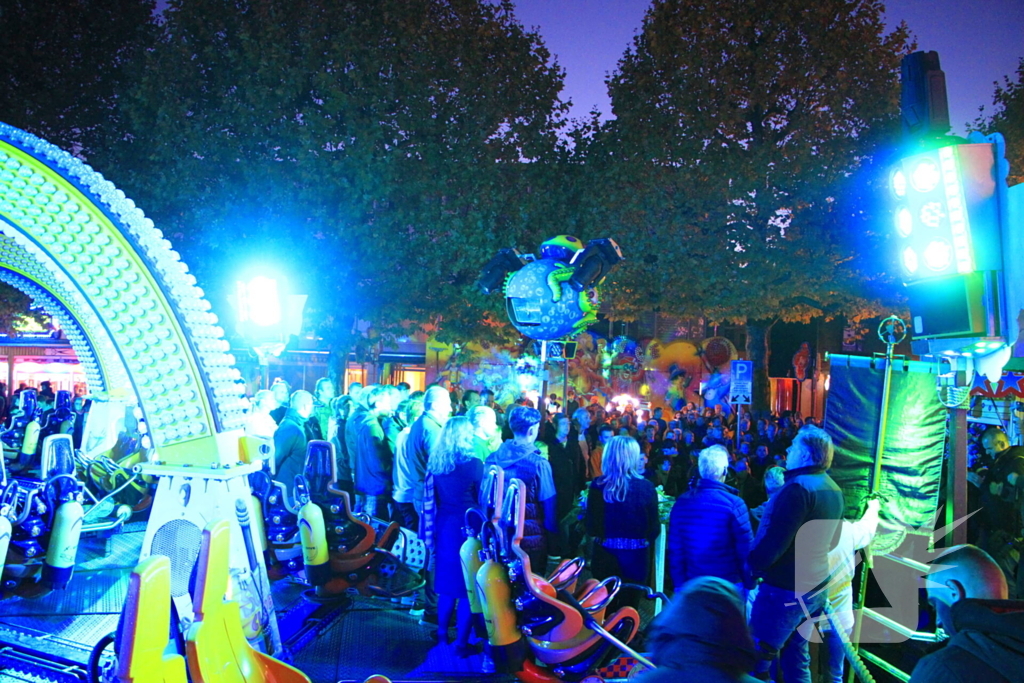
372,637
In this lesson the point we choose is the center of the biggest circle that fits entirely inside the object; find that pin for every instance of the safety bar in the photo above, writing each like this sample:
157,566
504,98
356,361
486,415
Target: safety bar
922,636
907,562
885,666
123,513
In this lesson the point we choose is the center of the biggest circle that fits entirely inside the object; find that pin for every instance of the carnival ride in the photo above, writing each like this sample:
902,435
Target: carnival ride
140,535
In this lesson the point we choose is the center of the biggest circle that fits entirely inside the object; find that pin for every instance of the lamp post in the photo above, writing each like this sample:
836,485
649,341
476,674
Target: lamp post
263,321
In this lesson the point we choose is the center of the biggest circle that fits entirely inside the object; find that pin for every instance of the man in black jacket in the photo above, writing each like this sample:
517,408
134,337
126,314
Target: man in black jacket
800,525
968,591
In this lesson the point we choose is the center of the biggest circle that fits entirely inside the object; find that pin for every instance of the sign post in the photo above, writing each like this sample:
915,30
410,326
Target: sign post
741,389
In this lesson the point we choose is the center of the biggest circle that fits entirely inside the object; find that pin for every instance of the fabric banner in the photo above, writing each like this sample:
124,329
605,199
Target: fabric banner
914,446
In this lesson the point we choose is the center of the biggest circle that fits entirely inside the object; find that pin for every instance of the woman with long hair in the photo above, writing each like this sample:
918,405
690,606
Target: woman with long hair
453,476
622,514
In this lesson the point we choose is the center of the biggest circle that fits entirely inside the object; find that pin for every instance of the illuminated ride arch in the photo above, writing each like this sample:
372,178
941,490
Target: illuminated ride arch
139,324
134,315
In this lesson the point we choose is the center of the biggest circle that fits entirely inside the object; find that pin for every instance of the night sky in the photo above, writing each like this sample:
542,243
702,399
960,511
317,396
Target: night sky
978,41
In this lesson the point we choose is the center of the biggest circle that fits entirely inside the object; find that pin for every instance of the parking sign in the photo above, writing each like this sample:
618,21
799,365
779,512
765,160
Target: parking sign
741,386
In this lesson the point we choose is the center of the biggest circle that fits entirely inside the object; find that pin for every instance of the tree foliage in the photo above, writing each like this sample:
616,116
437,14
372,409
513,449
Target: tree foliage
736,157
740,126
1008,119
374,151
61,65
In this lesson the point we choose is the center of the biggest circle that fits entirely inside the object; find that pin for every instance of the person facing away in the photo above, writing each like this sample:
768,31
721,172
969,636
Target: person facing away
258,422
342,407
622,514
811,504
423,434
374,457
968,591
702,636
409,410
453,482
520,458
290,439
709,528
486,434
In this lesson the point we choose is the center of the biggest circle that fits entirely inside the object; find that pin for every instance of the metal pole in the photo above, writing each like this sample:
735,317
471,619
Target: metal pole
890,339
956,473
565,383
542,368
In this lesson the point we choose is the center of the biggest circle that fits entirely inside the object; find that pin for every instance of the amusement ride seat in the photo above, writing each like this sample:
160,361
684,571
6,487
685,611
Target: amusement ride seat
356,556
217,649
553,620
141,658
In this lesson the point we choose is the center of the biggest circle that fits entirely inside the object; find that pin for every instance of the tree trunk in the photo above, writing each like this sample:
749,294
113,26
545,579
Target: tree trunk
759,350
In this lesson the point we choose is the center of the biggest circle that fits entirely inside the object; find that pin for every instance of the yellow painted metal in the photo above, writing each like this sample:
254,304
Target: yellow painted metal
147,619
495,595
30,442
313,534
471,563
216,647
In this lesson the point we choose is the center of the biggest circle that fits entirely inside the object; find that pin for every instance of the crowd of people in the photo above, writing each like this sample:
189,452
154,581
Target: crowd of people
749,597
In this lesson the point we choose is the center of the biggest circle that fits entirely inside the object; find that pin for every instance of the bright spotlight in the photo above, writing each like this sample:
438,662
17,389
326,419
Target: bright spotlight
925,176
938,255
259,301
910,260
904,222
898,182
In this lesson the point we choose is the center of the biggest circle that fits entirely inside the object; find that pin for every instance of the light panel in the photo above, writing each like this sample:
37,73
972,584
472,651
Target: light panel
141,316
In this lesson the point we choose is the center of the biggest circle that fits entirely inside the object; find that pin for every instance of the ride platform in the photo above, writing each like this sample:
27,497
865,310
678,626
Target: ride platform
50,639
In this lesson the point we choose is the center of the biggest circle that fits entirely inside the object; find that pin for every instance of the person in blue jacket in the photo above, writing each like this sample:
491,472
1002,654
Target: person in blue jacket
709,528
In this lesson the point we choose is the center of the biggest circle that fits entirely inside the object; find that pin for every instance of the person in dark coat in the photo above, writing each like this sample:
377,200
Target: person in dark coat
454,474
702,636
622,514
566,467
374,458
968,590
809,503
709,528
290,439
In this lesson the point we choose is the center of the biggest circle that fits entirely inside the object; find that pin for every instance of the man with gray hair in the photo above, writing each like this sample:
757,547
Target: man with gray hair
810,505
709,529
423,434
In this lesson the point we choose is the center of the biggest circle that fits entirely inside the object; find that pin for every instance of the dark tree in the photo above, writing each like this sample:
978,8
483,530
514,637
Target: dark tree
739,128
61,66
380,152
1008,119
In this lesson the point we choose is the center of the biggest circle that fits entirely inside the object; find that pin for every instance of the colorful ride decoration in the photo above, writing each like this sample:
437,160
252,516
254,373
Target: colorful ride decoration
543,629
554,296
135,318
147,339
